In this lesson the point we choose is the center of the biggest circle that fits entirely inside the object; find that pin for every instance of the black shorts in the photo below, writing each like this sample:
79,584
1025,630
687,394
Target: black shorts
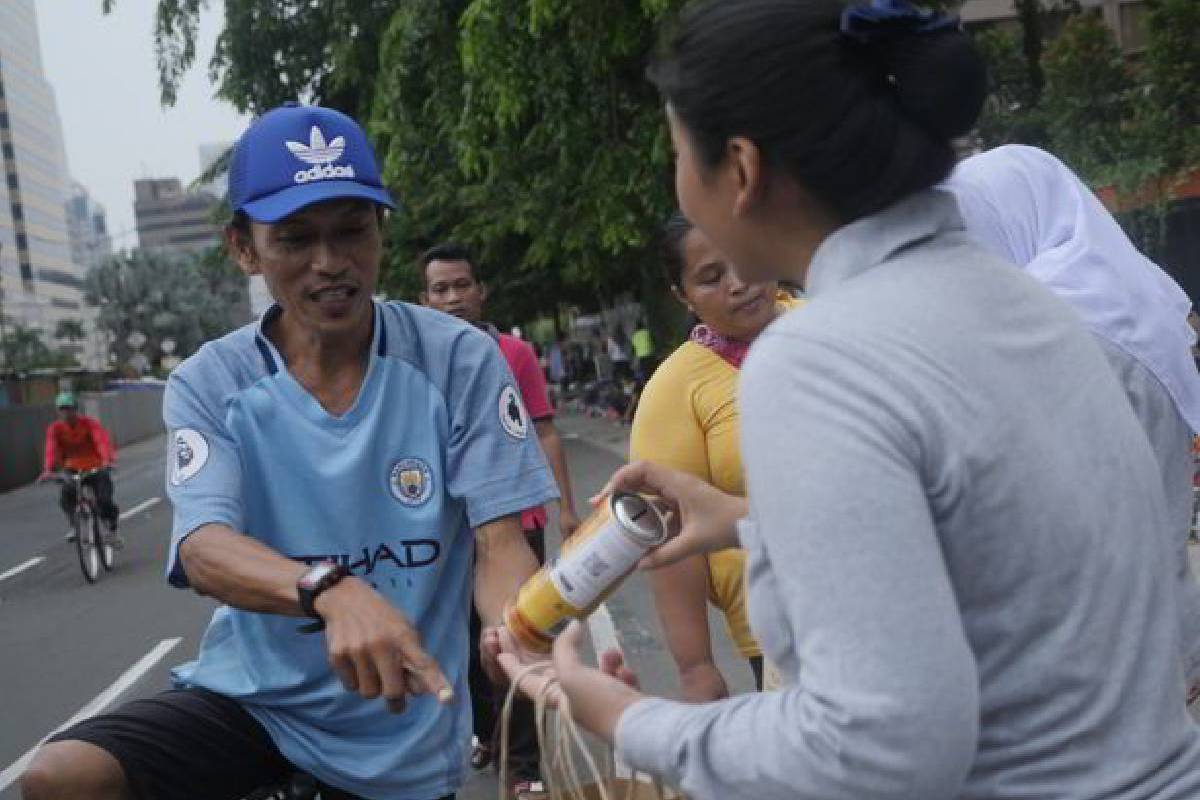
189,744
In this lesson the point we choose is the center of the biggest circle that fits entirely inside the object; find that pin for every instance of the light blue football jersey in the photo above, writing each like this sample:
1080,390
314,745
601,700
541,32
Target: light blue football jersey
436,444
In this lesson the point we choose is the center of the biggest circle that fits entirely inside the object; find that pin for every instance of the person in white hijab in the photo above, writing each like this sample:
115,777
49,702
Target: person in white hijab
1027,207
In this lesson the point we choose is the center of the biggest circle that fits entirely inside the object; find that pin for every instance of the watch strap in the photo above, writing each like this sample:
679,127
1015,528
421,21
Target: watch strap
309,587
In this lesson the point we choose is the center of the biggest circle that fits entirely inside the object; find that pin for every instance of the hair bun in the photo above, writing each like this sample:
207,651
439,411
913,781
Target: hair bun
939,78
936,73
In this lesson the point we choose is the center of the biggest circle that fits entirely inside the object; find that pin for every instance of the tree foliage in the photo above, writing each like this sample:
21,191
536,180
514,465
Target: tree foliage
276,50
1088,100
187,300
70,330
527,130
1125,122
524,128
1172,72
24,348
1011,112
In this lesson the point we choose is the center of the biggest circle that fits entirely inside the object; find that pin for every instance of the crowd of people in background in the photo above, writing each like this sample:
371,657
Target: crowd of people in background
599,372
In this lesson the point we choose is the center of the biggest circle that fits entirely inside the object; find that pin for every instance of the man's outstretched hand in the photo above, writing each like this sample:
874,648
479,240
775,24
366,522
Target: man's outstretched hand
374,649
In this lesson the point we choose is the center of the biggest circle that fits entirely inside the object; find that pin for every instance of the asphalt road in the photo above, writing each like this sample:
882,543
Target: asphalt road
71,649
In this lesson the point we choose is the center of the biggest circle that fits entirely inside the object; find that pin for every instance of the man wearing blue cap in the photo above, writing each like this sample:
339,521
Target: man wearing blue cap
329,462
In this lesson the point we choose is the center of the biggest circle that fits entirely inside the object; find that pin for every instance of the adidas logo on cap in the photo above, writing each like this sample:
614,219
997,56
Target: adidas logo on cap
320,154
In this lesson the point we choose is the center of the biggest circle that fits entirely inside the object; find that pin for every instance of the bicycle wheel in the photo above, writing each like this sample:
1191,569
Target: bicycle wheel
103,543
86,544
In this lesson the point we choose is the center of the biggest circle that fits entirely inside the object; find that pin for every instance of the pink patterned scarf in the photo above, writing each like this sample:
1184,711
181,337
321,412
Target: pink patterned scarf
732,350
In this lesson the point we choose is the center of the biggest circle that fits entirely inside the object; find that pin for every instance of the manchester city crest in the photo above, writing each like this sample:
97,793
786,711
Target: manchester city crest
411,481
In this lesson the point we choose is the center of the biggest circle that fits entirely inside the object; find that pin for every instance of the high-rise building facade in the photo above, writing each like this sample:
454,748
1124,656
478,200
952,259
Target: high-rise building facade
91,246
87,229
40,285
171,220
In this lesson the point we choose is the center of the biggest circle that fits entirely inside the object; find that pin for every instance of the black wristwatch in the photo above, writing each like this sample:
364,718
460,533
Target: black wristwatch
311,584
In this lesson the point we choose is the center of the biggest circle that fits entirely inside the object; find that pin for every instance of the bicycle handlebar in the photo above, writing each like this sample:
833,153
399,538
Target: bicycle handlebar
63,475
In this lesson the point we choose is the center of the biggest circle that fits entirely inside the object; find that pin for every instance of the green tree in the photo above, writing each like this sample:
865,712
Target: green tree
1088,98
1030,15
559,104
415,121
162,298
221,280
1011,112
541,144
70,330
24,348
525,128
1172,74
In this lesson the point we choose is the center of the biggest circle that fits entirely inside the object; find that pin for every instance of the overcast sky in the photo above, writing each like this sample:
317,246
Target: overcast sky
106,82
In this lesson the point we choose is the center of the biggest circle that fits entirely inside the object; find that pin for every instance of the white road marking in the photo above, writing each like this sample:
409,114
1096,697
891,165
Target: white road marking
140,507
604,637
19,568
98,704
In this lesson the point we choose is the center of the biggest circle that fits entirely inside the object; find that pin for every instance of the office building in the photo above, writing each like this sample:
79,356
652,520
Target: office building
40,285
91,246
172,220
87,228
1126,18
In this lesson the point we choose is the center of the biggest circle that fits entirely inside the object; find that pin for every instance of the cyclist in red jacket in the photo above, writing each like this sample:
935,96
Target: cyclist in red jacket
80,443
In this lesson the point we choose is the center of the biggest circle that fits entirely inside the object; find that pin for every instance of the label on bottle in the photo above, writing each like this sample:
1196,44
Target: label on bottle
584,573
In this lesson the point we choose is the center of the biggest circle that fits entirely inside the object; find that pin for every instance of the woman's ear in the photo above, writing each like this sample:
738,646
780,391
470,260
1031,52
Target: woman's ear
746,172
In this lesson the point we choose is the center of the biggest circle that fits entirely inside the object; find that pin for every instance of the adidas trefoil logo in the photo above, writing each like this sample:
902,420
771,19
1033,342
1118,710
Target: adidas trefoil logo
319,153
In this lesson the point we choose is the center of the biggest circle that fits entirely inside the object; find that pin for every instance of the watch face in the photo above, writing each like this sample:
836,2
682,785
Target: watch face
312,579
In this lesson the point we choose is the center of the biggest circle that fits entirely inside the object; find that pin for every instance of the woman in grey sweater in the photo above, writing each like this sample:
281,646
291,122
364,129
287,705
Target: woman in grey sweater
955,520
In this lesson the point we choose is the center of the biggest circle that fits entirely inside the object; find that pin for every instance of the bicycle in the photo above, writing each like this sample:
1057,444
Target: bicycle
96,551
297,786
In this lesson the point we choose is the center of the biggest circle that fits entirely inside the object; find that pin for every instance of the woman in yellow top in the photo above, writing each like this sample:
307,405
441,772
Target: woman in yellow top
688,420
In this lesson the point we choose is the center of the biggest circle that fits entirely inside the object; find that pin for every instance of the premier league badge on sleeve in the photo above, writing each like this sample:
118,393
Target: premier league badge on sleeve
189,454
513,417
411,481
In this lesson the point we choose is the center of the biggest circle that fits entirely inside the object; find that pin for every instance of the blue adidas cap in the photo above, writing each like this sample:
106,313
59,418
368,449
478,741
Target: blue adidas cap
294,156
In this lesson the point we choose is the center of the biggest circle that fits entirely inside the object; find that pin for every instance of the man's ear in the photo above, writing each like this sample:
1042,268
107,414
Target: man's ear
424,295
241,249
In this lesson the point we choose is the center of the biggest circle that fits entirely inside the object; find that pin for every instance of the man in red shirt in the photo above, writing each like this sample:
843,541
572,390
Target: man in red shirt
452,286
80,443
